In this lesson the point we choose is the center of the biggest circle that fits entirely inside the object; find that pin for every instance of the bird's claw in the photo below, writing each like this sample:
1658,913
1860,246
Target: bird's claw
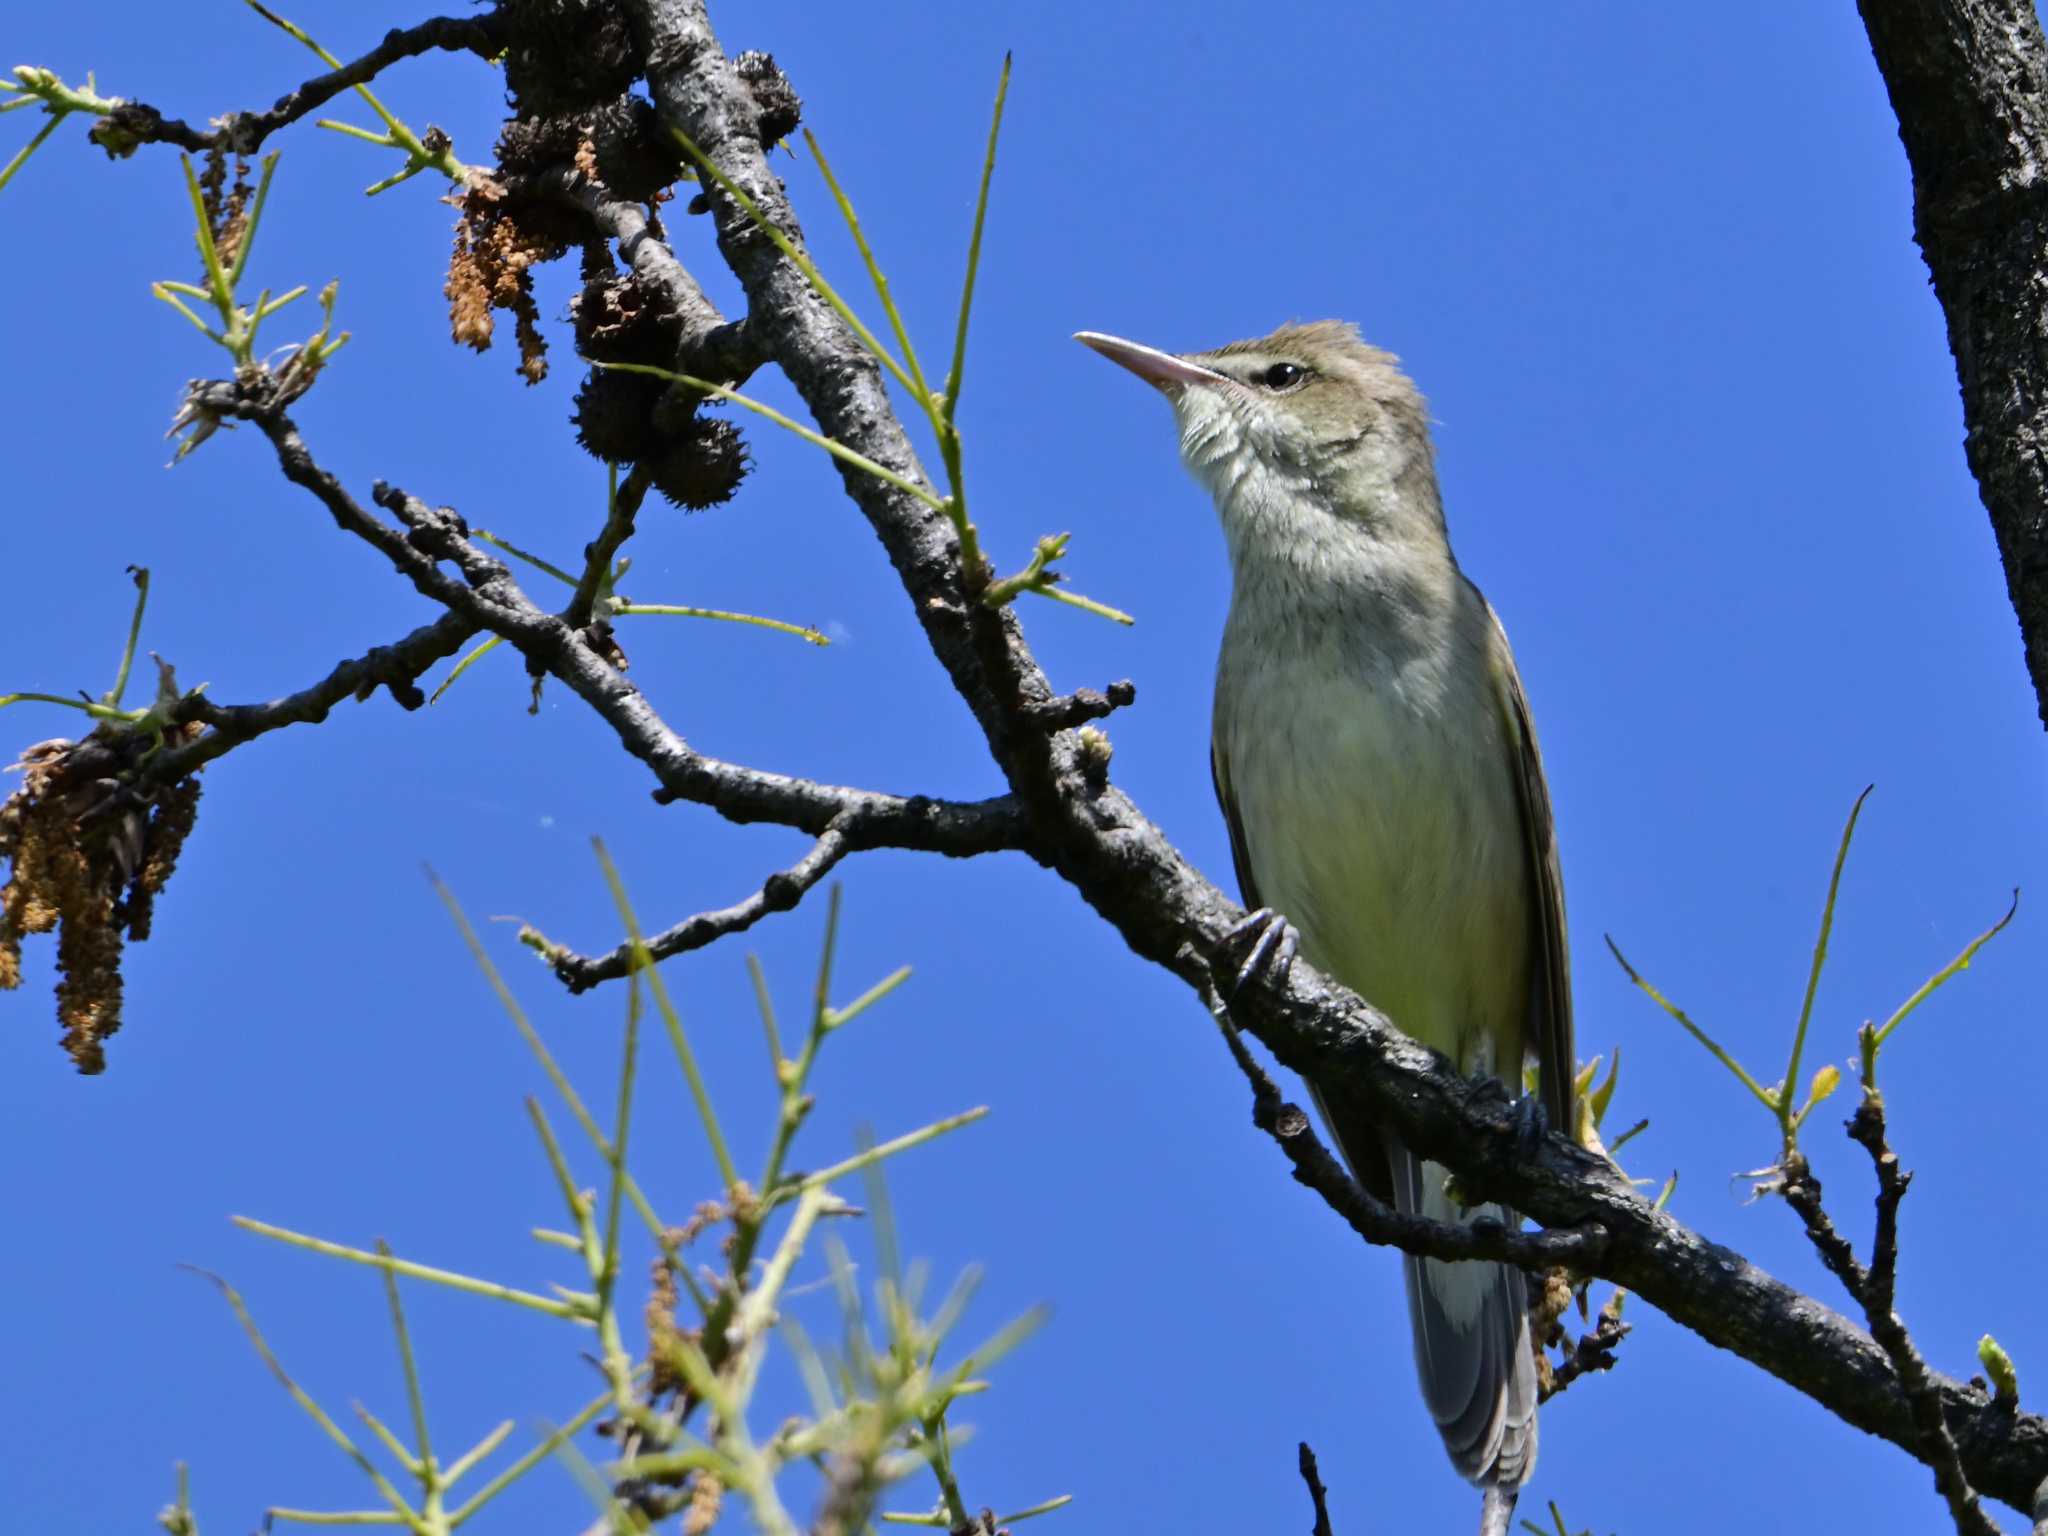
1270,944
1530,1123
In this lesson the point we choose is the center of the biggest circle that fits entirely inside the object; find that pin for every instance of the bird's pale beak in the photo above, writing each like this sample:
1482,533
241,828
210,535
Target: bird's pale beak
1162,370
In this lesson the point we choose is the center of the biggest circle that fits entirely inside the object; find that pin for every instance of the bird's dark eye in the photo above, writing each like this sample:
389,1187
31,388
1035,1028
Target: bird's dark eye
1282,375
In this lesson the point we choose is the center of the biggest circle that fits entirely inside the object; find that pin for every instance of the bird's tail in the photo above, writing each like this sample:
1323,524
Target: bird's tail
1471,1329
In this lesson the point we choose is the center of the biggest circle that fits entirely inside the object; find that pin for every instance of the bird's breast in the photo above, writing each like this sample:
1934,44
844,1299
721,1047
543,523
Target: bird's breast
1374,784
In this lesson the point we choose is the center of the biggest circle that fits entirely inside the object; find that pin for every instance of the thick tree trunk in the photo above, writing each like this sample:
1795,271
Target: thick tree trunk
1969,83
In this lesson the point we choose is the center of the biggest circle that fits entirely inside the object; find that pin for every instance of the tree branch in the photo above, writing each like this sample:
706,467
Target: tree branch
1937,1446
1593,1351
713,347
242,133
487,597
1968,80
1316,1491
852,831
395,667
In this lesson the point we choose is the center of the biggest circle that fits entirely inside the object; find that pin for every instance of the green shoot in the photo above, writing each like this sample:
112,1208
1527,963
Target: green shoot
1764,1095
988,171
1782,1098
1871,1040
1820,957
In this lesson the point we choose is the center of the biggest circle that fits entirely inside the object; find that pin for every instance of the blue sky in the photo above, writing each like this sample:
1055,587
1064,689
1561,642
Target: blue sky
1699,441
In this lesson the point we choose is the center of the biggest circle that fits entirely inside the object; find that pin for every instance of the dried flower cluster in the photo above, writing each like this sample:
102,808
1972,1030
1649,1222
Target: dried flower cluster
227,205
498,241
88,856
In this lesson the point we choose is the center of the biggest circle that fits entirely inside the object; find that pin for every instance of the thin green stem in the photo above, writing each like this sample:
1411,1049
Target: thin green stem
677,610
21,155
1085,604
312,1409
267,306
533,1458
917,382
414,1398
399,136
255,218
888,1149
1764,1096
216,276
397,1447
463,1464
1820,958
97,711
838,450
534,1043
162,291
766,1004
607,1279
112,698
1946,973
834,1017
336,1516
1046,1508
797,258
643,962
354,131
988,171
447,1277
469,660
517,553
565,1181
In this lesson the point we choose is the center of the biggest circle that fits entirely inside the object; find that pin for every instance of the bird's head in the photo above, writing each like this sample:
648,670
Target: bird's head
1292,429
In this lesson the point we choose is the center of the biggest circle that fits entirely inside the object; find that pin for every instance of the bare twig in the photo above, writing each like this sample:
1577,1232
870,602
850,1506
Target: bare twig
1080,706
598,556
1937,1445
1316,1492
1593,1351
849,833
394,667
242,133
486,595
1872,1288
1372,1218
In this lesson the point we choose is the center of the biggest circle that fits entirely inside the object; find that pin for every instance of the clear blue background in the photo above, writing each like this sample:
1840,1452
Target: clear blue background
1700,442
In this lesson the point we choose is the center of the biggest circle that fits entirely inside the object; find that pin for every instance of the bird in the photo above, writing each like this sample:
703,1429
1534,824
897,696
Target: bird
1389,819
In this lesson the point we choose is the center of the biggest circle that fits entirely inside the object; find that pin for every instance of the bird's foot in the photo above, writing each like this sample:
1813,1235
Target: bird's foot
1270,943
1530,1123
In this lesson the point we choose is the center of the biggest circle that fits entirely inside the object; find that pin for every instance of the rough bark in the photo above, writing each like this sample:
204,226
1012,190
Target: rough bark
1969,82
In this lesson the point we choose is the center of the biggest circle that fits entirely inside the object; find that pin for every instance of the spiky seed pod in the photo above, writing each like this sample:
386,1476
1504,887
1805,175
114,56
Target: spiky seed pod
614,415
703,465
781,108
619,142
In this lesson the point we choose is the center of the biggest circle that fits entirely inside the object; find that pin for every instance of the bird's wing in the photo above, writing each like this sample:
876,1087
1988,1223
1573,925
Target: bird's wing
1358,1137
1240,855
1549,1030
